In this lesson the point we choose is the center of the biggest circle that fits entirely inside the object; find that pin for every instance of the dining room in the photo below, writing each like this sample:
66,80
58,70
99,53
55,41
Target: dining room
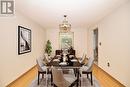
64,43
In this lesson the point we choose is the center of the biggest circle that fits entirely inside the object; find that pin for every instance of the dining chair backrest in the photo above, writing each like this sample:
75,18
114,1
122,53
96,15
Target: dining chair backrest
84,59
83,56
40,63
45,59
58,52
90,63
58,78
46,56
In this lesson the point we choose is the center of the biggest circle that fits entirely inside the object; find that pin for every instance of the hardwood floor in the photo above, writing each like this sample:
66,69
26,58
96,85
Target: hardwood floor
104,79
25,80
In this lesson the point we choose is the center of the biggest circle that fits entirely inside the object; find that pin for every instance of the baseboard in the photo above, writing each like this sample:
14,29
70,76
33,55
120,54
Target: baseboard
110,76
20,76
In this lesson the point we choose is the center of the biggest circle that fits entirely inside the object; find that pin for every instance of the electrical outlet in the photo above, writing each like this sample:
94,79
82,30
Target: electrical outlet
108,64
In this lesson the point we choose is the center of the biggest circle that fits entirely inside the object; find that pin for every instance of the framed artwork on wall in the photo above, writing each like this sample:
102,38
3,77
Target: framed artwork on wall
24,40
66,40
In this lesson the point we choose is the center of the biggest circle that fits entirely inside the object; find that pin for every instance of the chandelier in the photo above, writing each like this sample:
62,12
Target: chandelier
65,26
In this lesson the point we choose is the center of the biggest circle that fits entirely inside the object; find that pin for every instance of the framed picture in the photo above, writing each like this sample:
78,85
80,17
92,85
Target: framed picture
66,40
24,40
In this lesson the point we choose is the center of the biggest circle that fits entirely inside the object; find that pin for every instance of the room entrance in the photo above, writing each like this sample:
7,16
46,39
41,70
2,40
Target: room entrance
95,44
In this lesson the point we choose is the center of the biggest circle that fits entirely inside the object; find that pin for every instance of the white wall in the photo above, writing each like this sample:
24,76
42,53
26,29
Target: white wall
114,34
13,65
80,40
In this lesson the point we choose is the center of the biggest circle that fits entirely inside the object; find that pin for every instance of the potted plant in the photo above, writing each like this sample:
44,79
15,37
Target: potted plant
48,48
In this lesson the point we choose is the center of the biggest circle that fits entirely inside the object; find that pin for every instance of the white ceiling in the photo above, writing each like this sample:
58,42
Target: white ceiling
81,13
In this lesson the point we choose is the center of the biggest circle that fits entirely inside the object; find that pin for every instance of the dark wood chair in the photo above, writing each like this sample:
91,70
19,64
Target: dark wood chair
72,52
58,52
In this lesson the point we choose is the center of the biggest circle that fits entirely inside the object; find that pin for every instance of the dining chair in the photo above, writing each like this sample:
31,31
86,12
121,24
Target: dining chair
58,52
41,68
46,58
84,59
59,80
87,69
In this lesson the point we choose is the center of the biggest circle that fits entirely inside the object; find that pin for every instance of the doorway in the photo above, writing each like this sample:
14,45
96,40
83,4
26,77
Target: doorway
95,45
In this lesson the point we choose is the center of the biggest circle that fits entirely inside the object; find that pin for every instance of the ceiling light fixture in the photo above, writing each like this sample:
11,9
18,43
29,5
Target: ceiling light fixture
65,26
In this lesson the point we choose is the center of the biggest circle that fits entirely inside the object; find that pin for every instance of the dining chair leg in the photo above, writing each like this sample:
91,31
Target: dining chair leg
51,79
87,75
38,78
54,85
80,82
42,75
91,78
75,71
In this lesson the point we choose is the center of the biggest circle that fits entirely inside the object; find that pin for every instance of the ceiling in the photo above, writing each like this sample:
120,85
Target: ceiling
81,13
